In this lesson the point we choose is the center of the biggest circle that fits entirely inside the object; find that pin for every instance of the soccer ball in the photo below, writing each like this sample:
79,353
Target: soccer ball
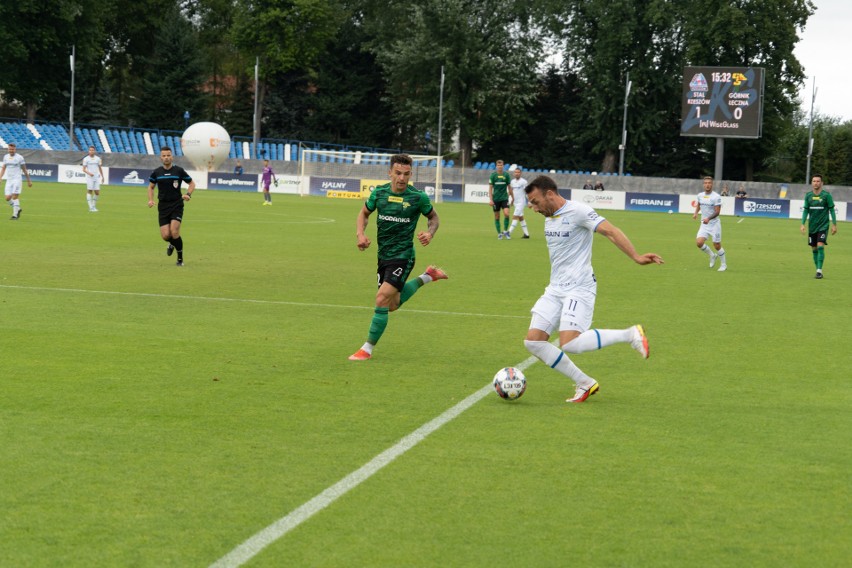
510,383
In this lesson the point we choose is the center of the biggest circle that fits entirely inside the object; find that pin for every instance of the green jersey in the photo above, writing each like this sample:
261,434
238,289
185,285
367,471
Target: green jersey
500,182
398,214
818,207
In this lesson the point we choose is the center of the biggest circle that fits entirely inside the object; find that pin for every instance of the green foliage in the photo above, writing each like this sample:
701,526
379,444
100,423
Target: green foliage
174,73
488,50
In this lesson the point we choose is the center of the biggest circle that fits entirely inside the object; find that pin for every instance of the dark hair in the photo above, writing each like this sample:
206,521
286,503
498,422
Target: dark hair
165,149
817,176
402,159
544,183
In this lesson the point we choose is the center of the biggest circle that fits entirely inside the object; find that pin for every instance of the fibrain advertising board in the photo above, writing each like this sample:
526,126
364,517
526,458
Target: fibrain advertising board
722,102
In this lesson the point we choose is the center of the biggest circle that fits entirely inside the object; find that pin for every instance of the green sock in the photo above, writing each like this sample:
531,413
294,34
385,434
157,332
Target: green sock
816,257
378,325
820,257
409,289
505,223
497,224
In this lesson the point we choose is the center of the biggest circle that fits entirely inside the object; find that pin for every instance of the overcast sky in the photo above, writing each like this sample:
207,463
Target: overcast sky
824,50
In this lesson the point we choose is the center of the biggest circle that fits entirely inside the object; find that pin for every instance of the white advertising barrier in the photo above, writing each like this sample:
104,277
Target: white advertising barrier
797,206
476,193
687,204
599,199
198,176
286,184
74,174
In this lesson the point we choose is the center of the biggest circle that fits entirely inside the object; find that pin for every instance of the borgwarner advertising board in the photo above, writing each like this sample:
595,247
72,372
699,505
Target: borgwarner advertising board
233,182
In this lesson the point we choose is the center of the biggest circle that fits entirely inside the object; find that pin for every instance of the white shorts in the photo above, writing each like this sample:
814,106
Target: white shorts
93,182
712,231
572,311
519,209
13,186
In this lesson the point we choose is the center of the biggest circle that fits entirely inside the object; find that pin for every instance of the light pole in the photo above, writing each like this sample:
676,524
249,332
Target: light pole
811,135
438,190
623,144
255,121
71,108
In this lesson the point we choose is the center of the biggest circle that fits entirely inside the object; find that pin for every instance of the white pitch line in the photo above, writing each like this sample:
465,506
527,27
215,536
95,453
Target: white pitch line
250,301
260,540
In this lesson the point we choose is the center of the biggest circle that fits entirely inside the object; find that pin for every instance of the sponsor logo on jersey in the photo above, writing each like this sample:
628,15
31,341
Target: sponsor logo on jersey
394,219
394,199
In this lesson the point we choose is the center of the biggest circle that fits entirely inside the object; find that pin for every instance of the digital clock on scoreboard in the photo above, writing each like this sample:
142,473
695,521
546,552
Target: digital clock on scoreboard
722,102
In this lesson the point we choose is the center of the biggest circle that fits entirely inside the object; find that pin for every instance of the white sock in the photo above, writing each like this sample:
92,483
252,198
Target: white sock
368,347
707,250
16,206
524,227
94,200
721,255
595,339
555,358
425,278
89,200
513,225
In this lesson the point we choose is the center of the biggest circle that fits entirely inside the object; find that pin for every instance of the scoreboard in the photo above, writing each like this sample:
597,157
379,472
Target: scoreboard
722,102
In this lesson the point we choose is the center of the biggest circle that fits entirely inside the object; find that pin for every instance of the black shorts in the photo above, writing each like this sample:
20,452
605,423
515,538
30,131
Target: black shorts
170,211
820,237
395,272
498,205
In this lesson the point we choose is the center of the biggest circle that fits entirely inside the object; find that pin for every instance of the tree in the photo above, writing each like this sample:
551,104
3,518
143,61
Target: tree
286,35
37,38
174,74
489,52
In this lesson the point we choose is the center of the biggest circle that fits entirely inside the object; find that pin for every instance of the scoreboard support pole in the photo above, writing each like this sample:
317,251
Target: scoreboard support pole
720,159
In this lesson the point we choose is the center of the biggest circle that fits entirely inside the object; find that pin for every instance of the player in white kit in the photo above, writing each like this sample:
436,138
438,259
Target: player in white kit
568,302
709,204
94,175
518,184
13,166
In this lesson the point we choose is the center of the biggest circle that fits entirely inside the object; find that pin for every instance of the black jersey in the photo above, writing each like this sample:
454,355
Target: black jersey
168,182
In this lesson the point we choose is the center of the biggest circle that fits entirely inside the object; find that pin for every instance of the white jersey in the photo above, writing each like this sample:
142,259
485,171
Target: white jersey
518,186
13,166
92,165
569,242
708,203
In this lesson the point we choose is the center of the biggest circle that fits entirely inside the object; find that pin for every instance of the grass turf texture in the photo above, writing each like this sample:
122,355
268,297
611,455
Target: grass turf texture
154,415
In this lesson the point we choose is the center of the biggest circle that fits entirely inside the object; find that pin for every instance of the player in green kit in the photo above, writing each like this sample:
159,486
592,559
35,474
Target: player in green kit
499,190
818,205
399,205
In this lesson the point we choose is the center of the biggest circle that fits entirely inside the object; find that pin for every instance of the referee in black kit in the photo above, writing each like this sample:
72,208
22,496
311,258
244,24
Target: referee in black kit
168,178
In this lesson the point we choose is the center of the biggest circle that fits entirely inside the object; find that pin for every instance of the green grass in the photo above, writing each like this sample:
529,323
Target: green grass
157,416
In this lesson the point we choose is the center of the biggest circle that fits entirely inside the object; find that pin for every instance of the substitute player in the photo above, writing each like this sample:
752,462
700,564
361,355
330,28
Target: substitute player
14,164
399,205
818,206
92,167
167,179
498,197
709,204
518,184
568,303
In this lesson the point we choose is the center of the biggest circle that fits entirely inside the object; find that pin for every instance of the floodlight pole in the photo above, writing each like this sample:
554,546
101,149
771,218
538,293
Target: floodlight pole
811,134
255,122
438,190
623,145
71,108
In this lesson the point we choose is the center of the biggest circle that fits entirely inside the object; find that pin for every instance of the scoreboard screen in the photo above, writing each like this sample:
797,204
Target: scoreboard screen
722,102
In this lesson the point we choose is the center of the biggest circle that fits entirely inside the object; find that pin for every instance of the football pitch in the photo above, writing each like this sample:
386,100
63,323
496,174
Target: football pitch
154,415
